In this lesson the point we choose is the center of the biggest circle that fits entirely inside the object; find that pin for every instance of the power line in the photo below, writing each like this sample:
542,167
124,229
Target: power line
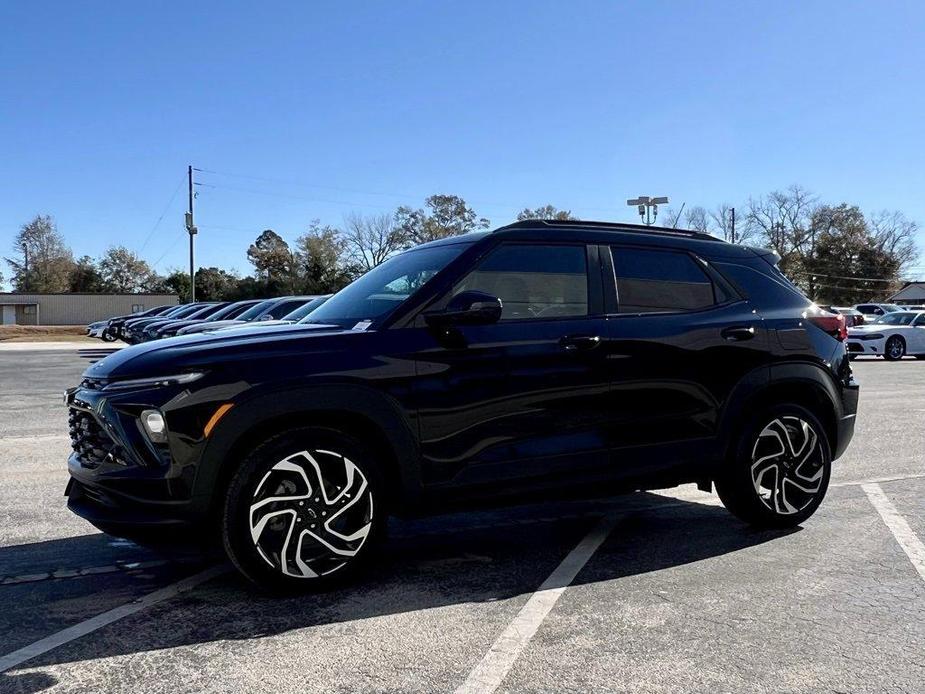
404,197
161,218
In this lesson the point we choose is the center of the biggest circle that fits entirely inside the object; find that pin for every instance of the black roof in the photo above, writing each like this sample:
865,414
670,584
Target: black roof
609,226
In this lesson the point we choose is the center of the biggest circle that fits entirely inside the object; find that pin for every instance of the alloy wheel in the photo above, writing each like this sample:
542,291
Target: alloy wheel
311,513
894,348
788,465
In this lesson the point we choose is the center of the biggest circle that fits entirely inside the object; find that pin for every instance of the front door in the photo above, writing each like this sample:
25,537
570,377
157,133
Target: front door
523,398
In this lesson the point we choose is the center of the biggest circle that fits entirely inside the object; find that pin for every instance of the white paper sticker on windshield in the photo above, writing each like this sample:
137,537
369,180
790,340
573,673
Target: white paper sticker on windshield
362,325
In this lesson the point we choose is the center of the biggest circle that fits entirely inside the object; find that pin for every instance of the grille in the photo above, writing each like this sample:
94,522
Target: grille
90,441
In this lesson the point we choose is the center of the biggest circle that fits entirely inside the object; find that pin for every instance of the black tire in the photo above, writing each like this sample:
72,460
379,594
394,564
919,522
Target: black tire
894,349
784,504
256,532
106,336
920,356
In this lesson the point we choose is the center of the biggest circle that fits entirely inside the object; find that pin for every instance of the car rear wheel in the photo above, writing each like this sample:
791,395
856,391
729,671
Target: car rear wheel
779,472
304,511
894,349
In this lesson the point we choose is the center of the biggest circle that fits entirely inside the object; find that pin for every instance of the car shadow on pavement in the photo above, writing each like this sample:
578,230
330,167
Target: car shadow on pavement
439,562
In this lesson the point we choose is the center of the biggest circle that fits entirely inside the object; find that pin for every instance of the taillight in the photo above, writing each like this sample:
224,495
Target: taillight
834,325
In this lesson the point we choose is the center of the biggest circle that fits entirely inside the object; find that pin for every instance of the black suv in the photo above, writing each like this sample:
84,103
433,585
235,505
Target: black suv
541,359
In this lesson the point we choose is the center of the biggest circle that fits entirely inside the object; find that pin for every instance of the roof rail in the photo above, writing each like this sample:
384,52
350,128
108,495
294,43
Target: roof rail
615,226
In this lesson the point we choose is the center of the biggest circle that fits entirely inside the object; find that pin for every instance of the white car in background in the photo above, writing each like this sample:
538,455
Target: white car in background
890,336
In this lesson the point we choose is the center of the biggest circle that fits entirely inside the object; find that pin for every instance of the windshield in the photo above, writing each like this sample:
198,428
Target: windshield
256,310
891,307
381,290
896,318
305,309
229,311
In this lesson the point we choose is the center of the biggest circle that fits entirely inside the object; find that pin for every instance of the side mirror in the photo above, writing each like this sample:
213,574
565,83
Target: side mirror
266,317
467,308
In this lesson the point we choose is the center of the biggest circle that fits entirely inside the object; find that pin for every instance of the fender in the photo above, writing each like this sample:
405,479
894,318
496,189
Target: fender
756,383
382,410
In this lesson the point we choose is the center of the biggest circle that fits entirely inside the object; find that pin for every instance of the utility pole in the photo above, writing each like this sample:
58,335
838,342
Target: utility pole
733,231
191,228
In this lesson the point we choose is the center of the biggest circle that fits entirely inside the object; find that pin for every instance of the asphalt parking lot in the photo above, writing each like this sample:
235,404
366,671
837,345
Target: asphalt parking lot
654,592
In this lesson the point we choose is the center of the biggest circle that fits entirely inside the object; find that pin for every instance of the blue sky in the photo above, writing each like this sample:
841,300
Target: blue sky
320,108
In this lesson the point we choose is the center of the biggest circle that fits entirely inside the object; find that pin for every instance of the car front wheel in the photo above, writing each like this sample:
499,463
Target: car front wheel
779,471
894,349
305,510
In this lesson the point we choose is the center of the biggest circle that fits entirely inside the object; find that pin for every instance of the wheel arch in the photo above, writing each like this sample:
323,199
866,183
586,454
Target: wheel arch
369,415
801,383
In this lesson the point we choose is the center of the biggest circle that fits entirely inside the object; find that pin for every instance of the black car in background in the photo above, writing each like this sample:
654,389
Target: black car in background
541,359
228,312
132,329
152,331
114,327
269,309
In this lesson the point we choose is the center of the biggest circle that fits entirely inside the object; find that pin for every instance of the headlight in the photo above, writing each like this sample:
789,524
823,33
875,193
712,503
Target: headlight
155,382
872,336
152,421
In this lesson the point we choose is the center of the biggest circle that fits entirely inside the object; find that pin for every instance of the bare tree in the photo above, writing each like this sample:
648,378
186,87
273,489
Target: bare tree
782,219
697,219
894,234
371,240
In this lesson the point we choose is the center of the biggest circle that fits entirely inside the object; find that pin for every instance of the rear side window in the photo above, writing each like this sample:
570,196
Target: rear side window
533,281
656,281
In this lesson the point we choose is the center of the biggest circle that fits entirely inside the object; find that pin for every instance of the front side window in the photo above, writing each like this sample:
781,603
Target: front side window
657,281
533,281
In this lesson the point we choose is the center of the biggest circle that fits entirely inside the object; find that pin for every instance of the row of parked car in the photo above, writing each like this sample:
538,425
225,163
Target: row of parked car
203,316
884,330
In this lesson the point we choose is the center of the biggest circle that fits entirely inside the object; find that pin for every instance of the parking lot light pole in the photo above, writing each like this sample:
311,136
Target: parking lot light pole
191,228
648,207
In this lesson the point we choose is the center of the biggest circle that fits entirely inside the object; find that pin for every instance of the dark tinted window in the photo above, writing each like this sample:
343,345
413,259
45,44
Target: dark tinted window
653,281
533,281
284,307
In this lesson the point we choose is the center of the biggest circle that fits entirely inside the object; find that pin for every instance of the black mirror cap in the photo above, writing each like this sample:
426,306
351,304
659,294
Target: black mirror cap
467,308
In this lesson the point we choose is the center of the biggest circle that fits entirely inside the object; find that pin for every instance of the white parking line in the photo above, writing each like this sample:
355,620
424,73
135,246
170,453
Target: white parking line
487,676
99,621
907,539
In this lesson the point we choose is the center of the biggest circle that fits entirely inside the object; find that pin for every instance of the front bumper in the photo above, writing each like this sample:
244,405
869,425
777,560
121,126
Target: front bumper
123,483
857,346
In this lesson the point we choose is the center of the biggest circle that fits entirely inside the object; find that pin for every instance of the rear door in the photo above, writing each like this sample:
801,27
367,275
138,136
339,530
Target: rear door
679,339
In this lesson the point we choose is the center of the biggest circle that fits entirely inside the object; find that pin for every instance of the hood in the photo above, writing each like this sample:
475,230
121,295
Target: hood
204,326
870,328
207,351
258,324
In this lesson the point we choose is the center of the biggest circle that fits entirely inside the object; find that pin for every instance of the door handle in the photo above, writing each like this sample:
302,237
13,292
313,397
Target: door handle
576,342
738,333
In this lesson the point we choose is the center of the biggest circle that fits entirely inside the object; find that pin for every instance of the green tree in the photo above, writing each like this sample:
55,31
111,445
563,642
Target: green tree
214,284
176,281
446,215
846,266
42,261
544,212
271,257
123,271
322,260
85,276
